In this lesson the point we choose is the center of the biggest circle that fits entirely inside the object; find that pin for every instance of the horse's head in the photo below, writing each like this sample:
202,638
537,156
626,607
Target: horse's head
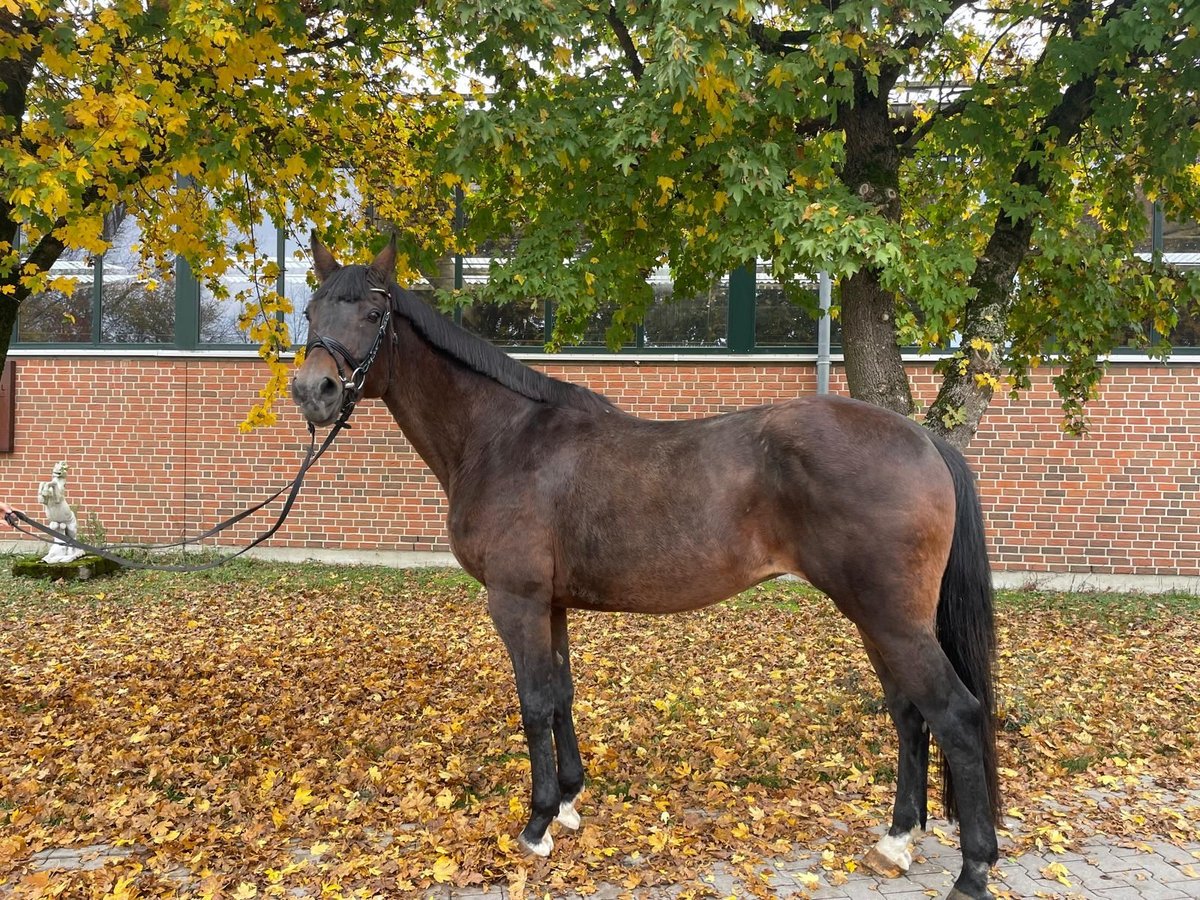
348,327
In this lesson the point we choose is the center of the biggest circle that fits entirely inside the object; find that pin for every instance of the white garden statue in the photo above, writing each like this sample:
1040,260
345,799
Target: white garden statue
59,516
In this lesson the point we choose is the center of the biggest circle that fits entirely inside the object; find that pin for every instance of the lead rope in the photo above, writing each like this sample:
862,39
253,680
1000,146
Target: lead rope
46,535
352,386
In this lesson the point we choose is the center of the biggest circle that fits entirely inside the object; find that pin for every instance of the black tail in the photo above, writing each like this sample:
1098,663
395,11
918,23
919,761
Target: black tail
966,626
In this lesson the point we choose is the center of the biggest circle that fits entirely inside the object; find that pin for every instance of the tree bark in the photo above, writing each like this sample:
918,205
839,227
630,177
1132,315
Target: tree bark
16,73
970,377
874,370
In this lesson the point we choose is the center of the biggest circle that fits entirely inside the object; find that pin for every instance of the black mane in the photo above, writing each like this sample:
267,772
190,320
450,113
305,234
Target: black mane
470,350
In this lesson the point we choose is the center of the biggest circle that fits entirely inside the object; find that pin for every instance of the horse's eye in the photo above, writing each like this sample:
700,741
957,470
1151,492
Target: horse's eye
374,315
307,316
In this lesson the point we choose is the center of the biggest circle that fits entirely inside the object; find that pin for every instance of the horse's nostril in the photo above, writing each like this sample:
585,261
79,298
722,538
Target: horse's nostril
315,390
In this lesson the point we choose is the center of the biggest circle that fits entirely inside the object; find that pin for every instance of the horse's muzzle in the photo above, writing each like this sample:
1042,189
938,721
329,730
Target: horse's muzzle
318,395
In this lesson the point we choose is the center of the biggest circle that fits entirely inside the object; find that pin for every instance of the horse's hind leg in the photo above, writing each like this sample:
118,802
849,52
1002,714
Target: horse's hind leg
892,855
923,673
570,764
524,626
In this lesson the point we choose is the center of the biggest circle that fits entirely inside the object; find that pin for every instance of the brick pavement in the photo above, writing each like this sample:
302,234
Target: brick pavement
1102,869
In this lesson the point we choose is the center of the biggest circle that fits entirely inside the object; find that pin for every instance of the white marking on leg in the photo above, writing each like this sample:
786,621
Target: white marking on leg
542,848
897,850
568,816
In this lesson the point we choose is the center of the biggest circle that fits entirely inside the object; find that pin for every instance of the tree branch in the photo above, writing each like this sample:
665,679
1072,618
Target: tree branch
920,40
632,60
908,123
47,251
965,394
780,43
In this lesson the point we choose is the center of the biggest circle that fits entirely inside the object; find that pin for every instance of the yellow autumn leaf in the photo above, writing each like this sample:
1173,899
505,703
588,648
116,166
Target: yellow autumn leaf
808,880
517,884
1058,872
444,869
302,797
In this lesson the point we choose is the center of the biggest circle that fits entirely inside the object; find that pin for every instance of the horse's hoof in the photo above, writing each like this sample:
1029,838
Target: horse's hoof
891,857
542,848
568,816
881,865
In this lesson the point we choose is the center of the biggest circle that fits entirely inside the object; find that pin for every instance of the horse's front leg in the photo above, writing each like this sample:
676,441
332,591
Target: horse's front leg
570,764
524,625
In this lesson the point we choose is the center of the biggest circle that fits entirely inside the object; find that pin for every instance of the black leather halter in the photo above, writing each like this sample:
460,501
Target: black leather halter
352,384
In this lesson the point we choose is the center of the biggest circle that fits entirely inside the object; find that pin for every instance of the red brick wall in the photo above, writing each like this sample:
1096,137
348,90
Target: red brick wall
155,453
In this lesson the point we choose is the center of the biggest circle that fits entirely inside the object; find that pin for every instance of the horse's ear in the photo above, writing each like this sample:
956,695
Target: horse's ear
385,263
323,262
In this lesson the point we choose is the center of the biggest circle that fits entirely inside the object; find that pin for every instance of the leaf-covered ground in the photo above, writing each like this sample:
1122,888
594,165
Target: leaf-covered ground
355,732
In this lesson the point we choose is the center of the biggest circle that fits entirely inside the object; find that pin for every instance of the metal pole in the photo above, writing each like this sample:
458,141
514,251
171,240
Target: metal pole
825,296
1156,232
1156,254
281,261
98,299
460,221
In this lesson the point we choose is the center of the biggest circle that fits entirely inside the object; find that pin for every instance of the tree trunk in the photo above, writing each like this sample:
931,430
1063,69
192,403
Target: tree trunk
16,74
441,276
973,373
874,370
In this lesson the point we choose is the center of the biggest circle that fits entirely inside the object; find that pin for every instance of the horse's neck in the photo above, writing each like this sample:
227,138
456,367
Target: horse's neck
443,407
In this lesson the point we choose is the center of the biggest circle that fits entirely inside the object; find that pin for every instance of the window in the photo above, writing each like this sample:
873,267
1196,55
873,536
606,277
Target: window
699,321
251,256
509,325
1181,247
61,317
137,306
788,317
117,298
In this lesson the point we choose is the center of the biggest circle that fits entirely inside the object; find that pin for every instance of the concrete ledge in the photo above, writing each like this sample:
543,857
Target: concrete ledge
1083,582
395,559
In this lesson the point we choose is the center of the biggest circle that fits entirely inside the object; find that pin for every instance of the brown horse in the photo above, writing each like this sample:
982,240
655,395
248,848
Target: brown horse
559,500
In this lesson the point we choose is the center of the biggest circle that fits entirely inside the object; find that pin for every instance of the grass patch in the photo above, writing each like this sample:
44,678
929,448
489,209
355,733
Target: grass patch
135,586
1119,609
